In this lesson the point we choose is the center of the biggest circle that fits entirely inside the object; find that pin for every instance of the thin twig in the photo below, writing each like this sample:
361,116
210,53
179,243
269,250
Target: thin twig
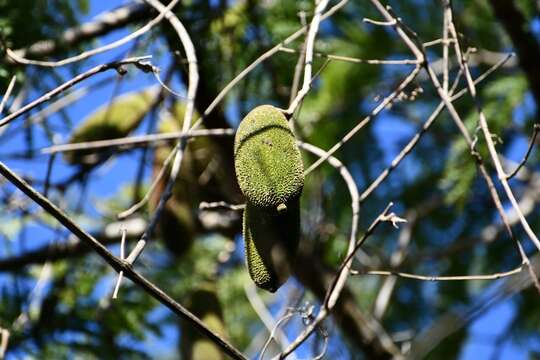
266,317
297,72
57,105
353,59
122,257
137,140
338,284
488,137
492,149
21,60
116,263
387,100
378,22
532,141
416,46
35,297
353,191
425,127
48,174
273,333
398,256
220,205
412,41
446,19
102,24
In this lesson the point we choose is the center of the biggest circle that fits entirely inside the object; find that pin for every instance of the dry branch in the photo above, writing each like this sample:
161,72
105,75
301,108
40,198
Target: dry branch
117,264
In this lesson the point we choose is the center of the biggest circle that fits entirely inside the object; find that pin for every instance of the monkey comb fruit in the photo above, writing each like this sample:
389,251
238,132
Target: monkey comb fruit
204,303
271,176
267,160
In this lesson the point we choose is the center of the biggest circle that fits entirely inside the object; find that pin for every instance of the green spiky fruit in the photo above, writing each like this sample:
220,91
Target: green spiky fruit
110,121
271,240
267,160
270,174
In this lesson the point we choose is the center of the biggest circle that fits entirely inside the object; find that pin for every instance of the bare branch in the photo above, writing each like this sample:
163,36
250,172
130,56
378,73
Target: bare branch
488,137
136,207
4,340
266,317
122,257
268,54
387,100
21,60
454,319
398,256
532,141
340,279
117,264
220,205
185,39
355,60
115,65
425,127
7,94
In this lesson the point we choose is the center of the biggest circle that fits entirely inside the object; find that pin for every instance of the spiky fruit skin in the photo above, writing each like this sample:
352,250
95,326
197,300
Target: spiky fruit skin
271,240
267,160
270,174
203,303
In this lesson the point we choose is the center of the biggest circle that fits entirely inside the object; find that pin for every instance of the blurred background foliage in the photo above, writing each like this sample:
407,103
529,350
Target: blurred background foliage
55,294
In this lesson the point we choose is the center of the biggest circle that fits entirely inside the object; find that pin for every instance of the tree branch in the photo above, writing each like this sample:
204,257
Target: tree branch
117,264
